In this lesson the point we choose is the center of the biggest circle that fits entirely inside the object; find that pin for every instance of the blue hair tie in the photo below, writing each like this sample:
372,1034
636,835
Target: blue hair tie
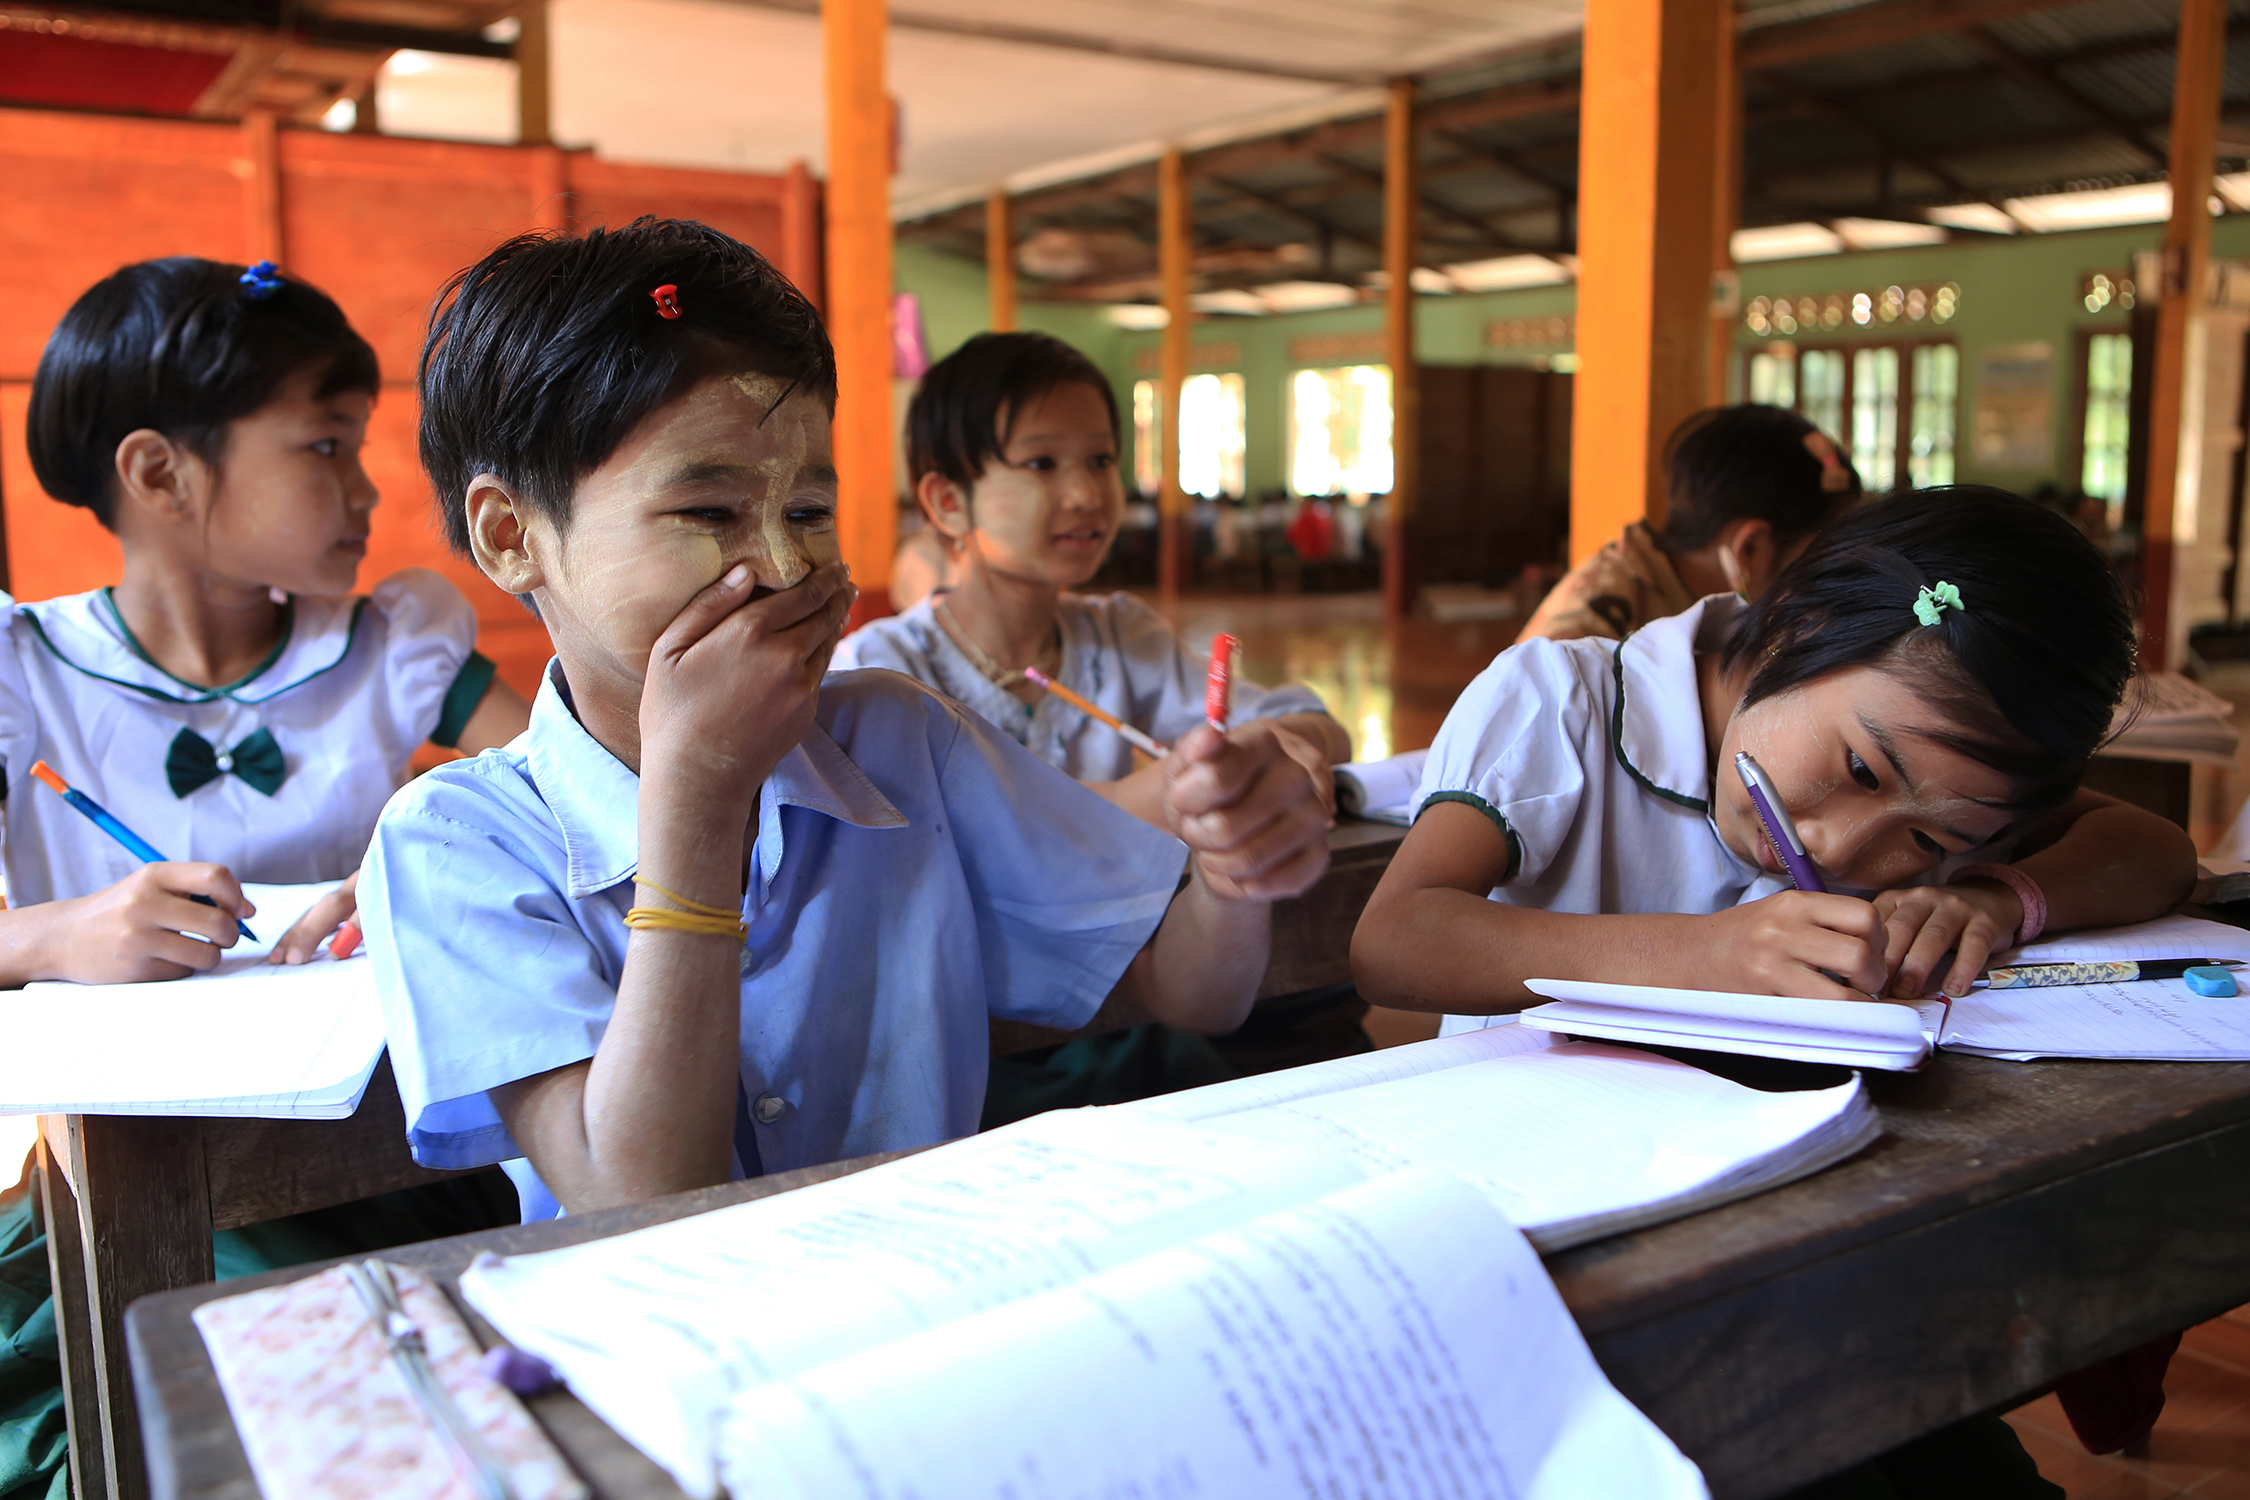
261,281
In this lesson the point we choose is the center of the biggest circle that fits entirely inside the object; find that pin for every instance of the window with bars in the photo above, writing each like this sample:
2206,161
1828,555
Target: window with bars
1937,396
1894,407
1340,431
2108,425
1148,439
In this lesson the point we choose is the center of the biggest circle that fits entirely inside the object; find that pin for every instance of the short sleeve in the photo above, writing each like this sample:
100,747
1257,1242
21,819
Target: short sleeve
1514,748
1066,887
430,636
19,723
484,974
1167,678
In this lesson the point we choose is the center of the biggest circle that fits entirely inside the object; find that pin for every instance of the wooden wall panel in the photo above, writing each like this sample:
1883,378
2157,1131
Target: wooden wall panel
379,222
746,205
53,548
87,194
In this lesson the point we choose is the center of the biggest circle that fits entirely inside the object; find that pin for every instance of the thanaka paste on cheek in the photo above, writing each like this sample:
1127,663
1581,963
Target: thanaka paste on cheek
787,558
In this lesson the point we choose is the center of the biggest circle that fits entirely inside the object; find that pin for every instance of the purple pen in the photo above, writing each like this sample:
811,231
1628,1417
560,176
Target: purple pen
1779,830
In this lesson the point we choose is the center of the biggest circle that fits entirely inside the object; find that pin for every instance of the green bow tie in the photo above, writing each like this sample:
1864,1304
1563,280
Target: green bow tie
192,763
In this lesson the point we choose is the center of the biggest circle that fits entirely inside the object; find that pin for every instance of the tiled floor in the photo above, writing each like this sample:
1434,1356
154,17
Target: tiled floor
2201,1446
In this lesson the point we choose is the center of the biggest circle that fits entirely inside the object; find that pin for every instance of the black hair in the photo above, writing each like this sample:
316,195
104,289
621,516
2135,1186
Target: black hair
1734,463
2026,672
178,346
543,356
953,423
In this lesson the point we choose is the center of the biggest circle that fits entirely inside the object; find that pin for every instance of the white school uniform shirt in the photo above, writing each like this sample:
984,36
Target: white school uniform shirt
354,687
914,873
1590,758
1117,653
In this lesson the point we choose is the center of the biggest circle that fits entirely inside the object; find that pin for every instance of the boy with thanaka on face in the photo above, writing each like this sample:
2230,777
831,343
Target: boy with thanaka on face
709,917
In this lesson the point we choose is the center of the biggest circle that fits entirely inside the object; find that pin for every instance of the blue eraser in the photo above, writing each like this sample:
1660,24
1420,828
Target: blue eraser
2210,979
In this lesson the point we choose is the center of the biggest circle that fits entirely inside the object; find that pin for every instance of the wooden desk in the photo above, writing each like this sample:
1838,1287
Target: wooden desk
2016,1222
131,1201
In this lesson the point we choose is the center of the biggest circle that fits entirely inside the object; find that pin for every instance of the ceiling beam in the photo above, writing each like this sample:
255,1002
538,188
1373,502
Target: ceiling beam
1076,41
1873,26
217,26
1885,148
2042,76
1267,203
1451,213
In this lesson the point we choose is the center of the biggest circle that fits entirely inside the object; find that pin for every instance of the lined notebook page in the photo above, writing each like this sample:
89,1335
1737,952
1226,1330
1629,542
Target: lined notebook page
1338,1074
2149,1020
1395,1338
247,1039
1576,1132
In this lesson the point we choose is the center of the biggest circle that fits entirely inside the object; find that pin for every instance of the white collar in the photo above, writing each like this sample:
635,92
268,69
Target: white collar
86,633
1656,726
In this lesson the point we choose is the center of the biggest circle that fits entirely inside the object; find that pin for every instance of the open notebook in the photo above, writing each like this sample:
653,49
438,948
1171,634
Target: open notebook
2146,1020
1156,1298
247,1038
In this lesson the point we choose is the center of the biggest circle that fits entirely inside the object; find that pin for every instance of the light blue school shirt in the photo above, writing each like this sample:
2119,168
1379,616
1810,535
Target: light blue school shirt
915,872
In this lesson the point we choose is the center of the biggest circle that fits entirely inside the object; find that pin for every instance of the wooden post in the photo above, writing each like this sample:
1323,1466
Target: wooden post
550,189
1175,259
859,283
1000,262
1648,117
800,230
261,142
2175,407
1401,253
1726,212
534,77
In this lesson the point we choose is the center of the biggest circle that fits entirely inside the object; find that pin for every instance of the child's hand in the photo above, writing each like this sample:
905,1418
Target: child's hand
1778,946
732,682
1923,922
1250,810
1299,749
138,929
302,941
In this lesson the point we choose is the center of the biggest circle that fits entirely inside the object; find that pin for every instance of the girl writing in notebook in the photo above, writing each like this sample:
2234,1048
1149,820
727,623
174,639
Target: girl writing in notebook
1924,687
229,699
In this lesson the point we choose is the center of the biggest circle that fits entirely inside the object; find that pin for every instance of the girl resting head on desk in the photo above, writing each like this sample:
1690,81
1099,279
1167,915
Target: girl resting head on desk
1013,440
1923,688
230,700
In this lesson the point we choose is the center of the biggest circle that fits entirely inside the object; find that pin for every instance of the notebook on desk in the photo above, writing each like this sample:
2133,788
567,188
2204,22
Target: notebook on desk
248,1038
2150,1020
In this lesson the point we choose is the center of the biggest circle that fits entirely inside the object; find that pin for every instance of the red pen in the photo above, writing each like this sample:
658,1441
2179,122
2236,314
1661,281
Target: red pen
1218,684
345,942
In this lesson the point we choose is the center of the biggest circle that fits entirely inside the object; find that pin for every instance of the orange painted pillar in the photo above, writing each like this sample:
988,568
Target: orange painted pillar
1402,246
1000,262
261,143
2175,403
1175,258
1726,213
1648,119
800,229
859,284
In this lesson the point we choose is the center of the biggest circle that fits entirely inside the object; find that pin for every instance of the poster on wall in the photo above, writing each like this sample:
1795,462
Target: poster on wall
2015,396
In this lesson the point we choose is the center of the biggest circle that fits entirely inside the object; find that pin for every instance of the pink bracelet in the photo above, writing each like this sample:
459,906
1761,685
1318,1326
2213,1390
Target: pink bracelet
2027,892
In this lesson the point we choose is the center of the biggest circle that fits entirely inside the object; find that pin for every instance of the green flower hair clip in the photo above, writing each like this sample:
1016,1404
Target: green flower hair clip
1935,600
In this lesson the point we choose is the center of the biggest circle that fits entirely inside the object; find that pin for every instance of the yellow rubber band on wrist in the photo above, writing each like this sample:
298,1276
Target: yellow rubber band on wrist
682,902
701,923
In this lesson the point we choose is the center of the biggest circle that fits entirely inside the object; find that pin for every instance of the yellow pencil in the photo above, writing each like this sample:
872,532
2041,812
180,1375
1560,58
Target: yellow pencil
1133,737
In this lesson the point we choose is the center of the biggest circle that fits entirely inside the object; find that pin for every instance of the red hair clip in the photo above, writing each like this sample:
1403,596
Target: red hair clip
667,300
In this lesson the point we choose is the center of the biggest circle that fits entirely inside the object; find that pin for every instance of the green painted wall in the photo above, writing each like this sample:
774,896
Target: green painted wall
2013,290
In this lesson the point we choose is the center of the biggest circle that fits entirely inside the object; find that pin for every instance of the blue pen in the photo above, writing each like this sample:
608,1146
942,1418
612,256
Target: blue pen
99,816
1779,830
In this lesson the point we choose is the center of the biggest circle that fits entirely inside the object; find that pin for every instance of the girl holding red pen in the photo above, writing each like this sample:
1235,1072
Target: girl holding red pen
1013,444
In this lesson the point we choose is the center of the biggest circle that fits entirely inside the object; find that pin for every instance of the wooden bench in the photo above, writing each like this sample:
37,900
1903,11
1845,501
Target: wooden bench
131,1201
2016,1222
